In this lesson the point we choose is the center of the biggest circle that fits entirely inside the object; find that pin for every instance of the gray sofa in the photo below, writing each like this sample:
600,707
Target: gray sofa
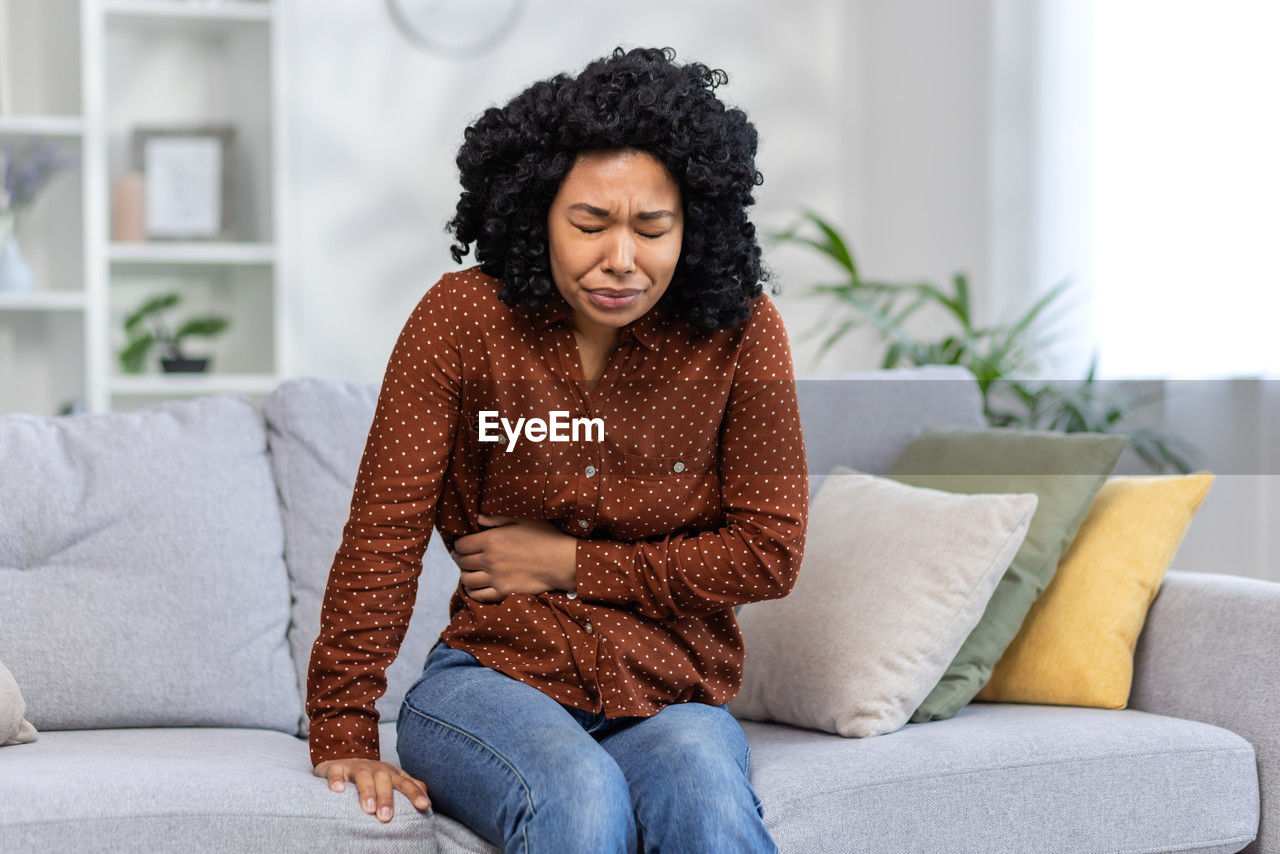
160,583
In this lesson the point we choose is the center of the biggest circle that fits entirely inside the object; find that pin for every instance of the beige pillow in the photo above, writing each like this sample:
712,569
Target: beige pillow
14,728
894,578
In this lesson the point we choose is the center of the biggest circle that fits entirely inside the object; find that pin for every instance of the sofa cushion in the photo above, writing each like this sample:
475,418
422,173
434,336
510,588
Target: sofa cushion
317,429
894,578
1075,647
994,778
1010,777
142,577
1064,470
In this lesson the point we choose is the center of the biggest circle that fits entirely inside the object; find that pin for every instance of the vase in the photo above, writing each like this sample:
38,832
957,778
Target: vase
15,272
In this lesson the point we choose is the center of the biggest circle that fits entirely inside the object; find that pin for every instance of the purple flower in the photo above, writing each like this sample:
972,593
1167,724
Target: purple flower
29,169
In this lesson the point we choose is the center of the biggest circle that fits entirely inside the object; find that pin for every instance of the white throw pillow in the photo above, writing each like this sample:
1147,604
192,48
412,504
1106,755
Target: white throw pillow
14,728
894,578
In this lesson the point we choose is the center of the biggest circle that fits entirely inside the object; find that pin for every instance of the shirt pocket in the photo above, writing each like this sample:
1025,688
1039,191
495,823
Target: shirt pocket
663,493
686,466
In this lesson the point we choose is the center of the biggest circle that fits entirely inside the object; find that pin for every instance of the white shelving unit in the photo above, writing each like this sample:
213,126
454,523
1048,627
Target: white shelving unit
86,73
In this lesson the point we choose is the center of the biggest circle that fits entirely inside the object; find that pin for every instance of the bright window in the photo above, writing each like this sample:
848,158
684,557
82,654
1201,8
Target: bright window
1185,187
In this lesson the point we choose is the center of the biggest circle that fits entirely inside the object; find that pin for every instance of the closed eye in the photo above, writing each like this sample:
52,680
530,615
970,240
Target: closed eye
594,230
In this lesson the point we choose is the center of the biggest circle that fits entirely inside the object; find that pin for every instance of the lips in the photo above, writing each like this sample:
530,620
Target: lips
608,298
614,294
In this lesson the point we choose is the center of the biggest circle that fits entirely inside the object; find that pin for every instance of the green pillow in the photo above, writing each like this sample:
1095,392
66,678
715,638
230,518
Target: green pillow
1065,471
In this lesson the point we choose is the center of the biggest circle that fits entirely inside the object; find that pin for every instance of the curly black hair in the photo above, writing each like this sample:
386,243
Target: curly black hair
514,158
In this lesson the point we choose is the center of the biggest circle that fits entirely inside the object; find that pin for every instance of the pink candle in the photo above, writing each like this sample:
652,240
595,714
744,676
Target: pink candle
128,208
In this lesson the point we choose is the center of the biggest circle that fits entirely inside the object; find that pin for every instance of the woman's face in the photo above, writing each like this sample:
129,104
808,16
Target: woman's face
615,229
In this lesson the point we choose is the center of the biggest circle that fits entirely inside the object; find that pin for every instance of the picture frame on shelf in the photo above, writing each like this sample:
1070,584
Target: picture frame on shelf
186,177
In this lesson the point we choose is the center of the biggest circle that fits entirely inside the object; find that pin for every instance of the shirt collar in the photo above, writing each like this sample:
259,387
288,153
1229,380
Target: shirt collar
647,328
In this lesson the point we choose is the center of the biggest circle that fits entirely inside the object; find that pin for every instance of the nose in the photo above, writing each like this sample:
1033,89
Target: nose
621,258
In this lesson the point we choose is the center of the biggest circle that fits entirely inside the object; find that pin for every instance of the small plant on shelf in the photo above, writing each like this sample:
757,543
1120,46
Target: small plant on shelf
145,328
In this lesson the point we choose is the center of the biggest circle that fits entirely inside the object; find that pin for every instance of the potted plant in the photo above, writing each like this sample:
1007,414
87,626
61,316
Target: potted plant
27,171
141,338
1004,357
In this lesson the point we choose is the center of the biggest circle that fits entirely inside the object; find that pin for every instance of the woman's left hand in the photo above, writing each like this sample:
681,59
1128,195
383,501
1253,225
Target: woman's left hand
515,556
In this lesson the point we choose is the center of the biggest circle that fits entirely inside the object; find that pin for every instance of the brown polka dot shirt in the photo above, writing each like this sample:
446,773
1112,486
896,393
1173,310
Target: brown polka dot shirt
696,499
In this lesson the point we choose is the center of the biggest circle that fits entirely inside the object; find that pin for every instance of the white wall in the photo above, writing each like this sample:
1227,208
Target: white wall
973,155
376,125
919,117
876,114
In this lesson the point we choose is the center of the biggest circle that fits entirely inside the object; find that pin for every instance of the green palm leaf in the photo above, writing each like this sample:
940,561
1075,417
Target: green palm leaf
1003,357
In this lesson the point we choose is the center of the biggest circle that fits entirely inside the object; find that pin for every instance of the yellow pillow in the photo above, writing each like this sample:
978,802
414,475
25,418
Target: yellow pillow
1075,647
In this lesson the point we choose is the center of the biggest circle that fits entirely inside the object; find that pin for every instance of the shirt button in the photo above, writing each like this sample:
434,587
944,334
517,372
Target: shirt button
591,471
572,594
678,466
583,523
590,628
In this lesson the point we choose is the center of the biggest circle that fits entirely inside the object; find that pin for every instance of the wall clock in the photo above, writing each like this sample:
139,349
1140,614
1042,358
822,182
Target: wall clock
460,29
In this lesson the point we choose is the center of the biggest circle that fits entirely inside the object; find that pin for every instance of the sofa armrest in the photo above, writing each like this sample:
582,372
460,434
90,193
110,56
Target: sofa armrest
1210,651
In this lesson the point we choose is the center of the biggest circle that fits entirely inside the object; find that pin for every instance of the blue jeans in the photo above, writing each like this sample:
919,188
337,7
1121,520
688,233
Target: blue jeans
534,775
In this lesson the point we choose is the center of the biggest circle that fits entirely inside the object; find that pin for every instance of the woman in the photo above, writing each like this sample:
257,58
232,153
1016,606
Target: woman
578,698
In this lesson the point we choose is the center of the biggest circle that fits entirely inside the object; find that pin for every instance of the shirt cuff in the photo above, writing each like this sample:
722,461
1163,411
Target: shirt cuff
605,571
346,736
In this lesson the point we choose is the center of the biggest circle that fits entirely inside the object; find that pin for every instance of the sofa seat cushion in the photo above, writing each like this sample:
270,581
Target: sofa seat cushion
996,777
190,789
1010,777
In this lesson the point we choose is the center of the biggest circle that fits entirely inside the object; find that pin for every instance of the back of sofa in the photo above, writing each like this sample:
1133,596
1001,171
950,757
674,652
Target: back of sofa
317,428
165,567
865,419
142,577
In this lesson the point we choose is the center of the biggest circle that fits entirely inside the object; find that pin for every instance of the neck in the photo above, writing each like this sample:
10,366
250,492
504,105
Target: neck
594,335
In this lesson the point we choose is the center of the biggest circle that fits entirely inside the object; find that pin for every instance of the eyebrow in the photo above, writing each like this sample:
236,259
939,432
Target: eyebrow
595,211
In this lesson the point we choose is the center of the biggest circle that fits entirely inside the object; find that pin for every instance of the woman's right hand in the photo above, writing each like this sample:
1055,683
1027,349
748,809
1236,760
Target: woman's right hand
375,781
